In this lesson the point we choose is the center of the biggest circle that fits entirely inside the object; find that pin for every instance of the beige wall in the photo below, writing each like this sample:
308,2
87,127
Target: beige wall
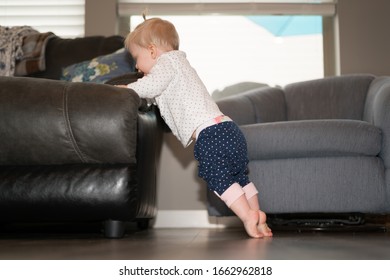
100,17
364,36
363,44
179,186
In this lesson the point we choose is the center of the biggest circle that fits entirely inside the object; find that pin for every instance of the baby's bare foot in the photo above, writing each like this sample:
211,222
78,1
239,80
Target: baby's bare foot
251,224
262,225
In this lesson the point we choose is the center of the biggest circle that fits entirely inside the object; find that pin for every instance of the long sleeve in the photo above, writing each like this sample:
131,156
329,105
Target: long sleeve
156,82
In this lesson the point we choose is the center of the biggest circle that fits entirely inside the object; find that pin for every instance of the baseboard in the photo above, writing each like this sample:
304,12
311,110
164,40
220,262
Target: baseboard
192,219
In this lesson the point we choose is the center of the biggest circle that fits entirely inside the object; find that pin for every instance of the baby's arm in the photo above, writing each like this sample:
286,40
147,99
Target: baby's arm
156,82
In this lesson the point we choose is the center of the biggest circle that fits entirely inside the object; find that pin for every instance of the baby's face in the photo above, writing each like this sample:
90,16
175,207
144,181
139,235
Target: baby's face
144,58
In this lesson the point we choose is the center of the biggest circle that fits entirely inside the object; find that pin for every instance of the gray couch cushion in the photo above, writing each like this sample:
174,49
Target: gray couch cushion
330,98
327,185
259,105
315,185
315,138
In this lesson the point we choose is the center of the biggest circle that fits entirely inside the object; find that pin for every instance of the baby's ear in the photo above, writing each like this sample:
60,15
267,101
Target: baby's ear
153,51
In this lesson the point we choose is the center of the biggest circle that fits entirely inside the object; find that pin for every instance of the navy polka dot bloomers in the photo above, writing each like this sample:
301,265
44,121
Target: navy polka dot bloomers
221,151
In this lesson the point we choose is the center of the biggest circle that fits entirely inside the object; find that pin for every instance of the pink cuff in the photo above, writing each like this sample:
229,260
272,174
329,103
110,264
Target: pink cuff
232,194
250,190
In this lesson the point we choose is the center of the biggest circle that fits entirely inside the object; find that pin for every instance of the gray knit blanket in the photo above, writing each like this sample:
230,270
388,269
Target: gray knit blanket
11,42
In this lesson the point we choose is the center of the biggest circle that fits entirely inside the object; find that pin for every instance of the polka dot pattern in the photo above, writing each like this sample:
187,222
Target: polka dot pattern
221,151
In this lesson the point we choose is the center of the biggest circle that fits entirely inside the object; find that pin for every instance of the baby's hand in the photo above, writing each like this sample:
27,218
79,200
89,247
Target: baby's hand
122,86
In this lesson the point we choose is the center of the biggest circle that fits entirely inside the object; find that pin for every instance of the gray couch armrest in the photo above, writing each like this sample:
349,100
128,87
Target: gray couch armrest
259,105
377,112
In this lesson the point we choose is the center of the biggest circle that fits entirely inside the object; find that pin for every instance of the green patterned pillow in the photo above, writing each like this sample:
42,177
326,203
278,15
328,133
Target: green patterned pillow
100,69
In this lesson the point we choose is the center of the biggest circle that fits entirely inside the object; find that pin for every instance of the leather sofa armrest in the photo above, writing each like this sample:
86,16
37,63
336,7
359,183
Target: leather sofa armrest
45,122
145,105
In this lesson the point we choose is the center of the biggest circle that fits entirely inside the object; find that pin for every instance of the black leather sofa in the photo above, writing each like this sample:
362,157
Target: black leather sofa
76,152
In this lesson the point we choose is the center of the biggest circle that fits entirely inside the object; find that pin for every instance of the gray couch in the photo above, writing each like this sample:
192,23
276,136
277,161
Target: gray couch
320,146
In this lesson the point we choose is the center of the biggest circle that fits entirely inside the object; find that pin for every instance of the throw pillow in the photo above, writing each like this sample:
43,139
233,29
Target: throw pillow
100,69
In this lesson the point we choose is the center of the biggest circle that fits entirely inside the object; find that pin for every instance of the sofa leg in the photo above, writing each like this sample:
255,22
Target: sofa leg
114,229
143,224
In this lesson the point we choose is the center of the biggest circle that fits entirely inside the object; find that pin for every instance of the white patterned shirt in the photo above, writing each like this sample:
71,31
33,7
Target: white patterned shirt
181,96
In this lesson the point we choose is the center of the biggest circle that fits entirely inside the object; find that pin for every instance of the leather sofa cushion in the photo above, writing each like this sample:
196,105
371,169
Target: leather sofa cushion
61,52
77,192
45,122
312,138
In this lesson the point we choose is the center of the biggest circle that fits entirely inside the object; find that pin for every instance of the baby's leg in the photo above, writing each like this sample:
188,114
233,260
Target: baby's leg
249,217
235,199
251,194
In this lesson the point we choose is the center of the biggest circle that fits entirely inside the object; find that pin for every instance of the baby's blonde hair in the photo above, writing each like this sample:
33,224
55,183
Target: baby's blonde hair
154,31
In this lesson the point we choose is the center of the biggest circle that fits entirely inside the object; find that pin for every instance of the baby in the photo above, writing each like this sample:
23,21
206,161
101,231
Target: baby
192,115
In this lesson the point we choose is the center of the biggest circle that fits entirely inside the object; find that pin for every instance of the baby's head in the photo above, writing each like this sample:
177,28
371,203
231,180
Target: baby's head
154,31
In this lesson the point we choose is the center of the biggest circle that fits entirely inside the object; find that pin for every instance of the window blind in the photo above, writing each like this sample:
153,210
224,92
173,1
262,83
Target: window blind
227,7
65,18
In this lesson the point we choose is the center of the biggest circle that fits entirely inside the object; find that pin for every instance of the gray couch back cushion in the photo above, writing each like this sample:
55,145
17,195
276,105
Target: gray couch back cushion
259,105
340,97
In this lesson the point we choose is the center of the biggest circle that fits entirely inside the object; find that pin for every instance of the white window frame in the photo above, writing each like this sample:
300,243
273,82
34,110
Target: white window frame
228,7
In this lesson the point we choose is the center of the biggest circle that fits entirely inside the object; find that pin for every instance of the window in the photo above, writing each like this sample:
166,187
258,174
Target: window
228,49
65,18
